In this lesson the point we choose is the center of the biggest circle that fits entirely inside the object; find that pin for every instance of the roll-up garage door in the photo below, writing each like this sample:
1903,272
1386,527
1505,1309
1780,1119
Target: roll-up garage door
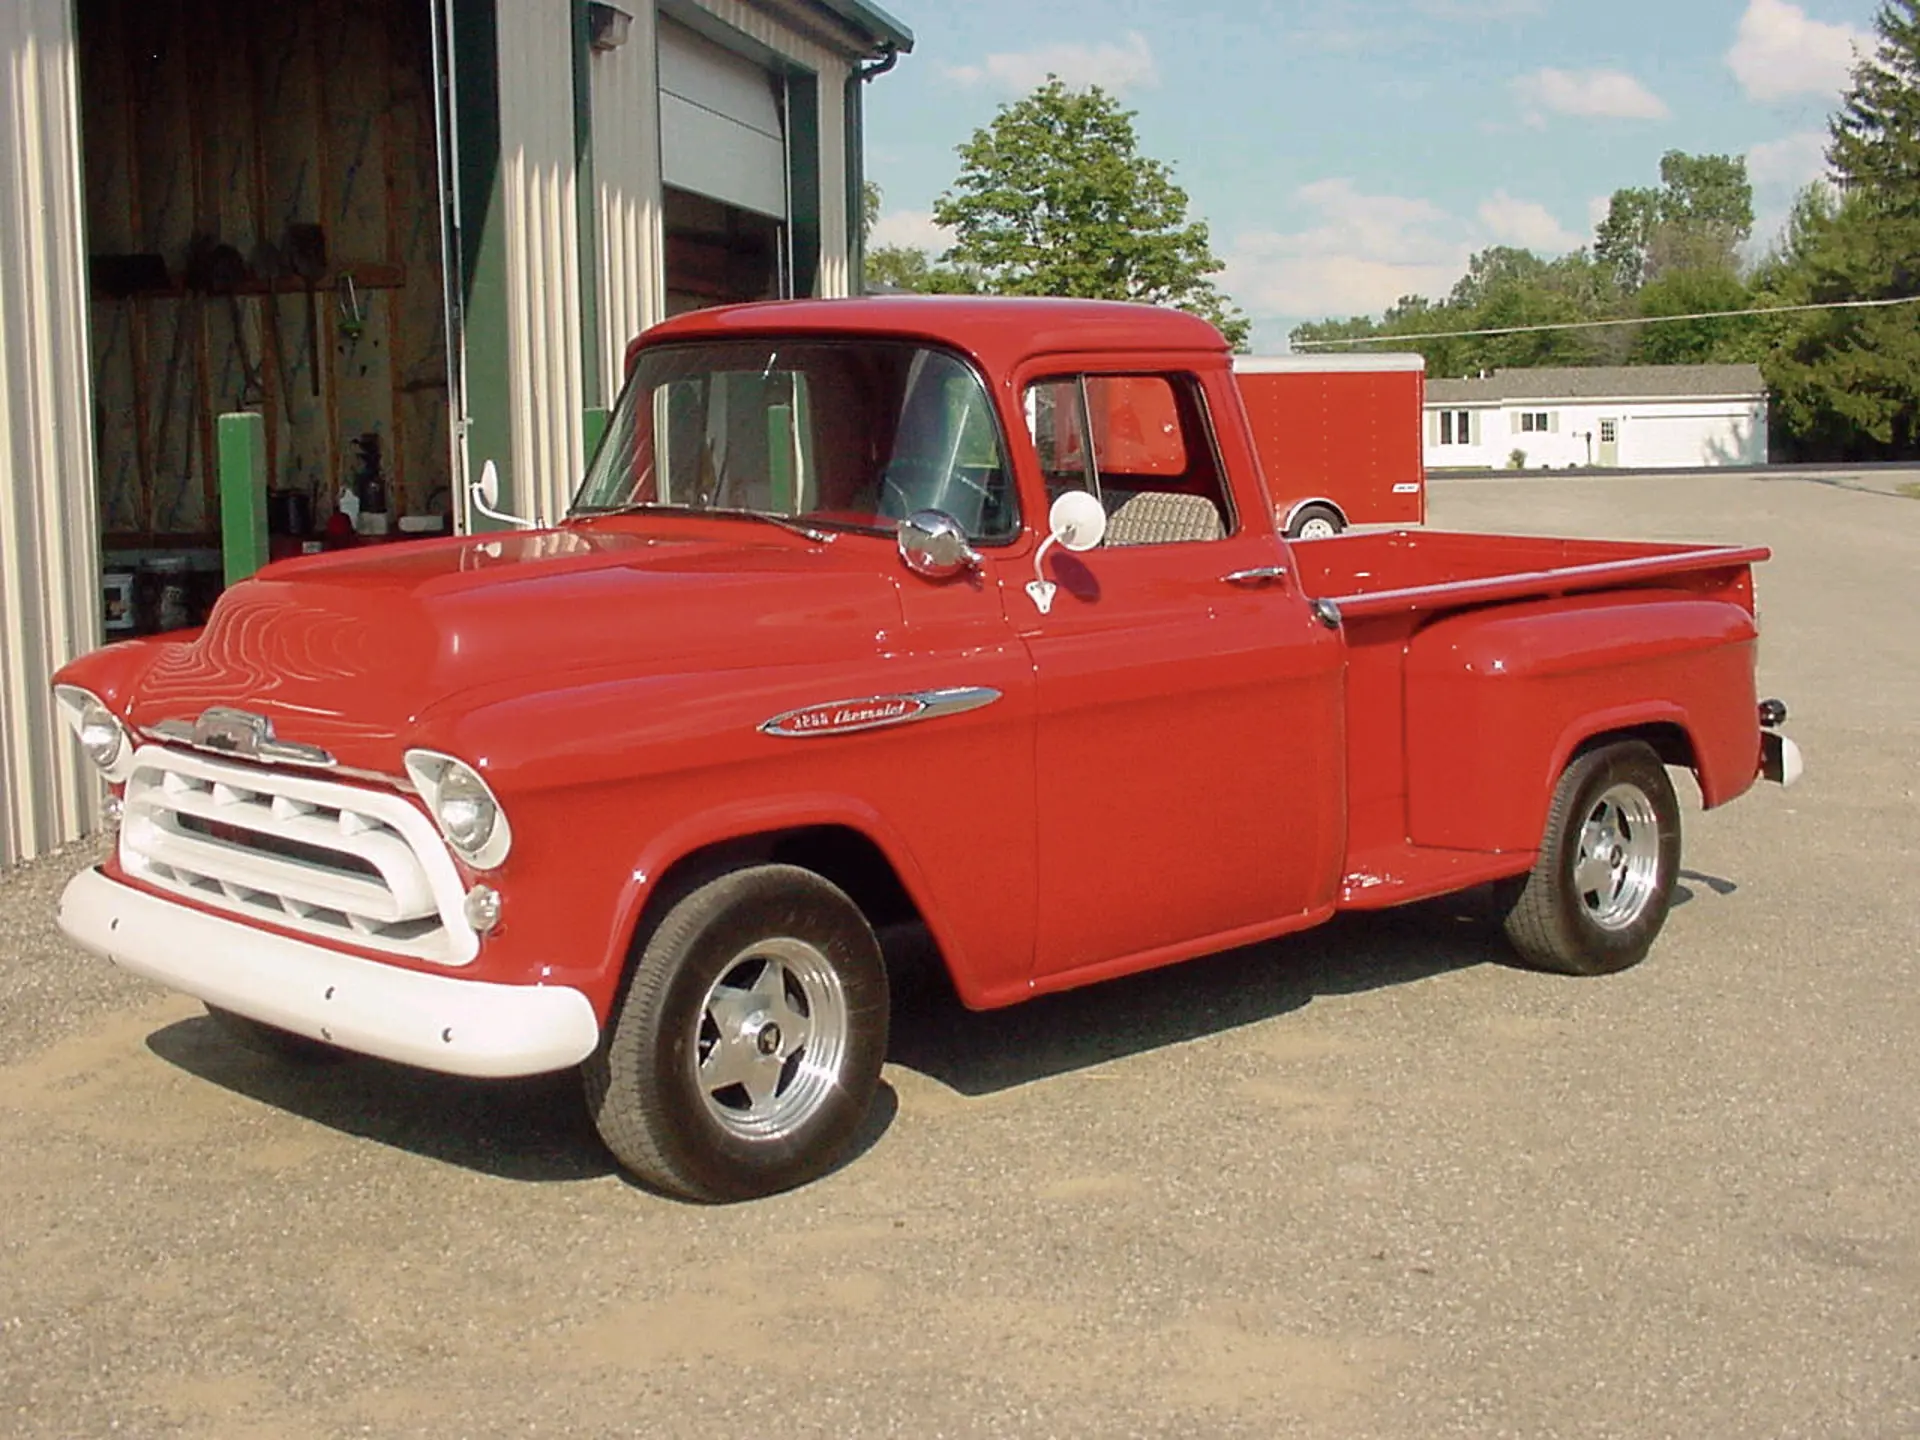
720,124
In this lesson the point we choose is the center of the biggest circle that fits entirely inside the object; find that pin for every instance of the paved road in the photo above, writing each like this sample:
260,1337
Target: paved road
1369,1182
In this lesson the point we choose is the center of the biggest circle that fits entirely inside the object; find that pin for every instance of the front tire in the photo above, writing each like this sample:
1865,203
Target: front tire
1600,890
744,1054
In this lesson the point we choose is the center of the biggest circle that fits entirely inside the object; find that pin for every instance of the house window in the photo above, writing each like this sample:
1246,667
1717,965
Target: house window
1533,421
1609,432
1454,429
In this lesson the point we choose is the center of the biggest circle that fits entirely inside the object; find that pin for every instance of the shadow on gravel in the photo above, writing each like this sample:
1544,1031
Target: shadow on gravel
979,1053
534,1129
531,1129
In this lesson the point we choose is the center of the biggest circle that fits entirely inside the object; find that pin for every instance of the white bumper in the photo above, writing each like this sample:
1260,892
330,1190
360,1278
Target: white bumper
439,1022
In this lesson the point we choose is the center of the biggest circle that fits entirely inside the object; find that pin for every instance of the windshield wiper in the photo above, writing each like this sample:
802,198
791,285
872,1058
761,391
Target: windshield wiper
819,537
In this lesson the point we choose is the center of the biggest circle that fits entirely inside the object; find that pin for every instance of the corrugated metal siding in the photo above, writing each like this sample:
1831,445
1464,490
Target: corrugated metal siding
49,561
832,70
539,208
626,172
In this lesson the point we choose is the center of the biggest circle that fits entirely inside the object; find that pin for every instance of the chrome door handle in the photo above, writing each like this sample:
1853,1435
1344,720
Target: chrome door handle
1259,575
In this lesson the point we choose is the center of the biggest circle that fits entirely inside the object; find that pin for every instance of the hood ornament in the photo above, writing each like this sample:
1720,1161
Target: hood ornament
241,735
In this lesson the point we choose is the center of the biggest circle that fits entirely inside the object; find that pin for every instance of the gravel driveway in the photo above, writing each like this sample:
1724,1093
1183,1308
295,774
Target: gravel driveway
1370,1181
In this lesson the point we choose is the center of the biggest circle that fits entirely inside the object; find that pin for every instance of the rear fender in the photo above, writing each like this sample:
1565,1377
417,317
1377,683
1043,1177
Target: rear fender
1500,700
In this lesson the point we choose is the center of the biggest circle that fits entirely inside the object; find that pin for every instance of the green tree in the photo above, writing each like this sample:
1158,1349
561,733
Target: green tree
1876,134
1695,342
1054,198
906,267
1847,381
1698,218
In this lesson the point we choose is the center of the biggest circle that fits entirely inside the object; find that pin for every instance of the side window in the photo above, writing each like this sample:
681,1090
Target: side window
1140,443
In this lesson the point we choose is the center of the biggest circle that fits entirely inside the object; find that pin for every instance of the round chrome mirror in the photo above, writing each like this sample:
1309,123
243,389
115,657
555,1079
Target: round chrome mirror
1078,520
934,544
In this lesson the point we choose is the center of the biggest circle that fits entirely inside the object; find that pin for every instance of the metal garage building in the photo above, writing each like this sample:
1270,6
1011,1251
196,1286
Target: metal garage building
435,223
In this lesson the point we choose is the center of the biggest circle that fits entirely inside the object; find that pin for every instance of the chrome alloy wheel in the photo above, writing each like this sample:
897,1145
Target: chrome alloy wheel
1617,869
772,1038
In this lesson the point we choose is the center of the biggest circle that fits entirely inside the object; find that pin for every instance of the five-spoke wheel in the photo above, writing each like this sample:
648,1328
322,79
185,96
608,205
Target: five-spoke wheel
745,1052
1599,891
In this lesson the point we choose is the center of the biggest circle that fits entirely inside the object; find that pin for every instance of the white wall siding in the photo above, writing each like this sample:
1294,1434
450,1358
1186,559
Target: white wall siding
1681,433
626,173
49,543
539,196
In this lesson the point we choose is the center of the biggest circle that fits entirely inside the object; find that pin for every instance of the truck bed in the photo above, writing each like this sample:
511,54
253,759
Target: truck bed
1406,571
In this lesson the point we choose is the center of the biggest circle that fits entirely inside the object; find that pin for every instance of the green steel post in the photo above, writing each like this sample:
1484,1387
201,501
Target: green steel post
243,493
593,428
780,457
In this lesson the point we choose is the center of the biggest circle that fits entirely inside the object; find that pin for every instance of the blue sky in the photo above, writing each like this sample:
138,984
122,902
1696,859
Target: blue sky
1346,152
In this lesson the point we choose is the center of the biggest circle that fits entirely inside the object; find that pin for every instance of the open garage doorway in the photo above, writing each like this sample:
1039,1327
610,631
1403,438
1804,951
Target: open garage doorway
264,204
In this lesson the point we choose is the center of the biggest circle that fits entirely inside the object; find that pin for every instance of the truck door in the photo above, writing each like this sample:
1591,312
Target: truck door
1189,741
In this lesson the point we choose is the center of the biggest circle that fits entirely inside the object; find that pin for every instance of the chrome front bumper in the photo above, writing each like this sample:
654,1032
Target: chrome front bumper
438,1022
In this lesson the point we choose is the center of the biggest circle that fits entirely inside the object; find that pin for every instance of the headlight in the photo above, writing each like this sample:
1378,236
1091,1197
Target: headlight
98,729
462,806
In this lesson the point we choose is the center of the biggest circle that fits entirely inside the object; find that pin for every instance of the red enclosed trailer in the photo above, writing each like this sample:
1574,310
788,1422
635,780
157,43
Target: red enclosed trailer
1339,438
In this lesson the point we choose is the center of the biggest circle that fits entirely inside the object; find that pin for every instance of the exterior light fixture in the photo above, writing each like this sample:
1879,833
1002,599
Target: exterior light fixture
607,25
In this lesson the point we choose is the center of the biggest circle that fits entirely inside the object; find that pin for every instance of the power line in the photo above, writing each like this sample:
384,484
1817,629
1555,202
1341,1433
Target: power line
1602,324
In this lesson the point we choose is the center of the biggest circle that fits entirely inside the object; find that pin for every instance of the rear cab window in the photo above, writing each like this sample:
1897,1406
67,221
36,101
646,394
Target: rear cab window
1142,445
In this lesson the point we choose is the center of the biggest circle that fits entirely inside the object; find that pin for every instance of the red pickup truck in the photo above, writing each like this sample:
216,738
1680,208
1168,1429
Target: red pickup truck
873,613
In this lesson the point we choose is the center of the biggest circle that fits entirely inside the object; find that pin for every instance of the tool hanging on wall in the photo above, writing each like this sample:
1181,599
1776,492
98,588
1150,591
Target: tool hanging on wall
306,254
353,315
186,321
226,272
121,278
271,266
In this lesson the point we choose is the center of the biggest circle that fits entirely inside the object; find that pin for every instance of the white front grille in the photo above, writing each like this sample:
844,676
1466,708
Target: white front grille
364,867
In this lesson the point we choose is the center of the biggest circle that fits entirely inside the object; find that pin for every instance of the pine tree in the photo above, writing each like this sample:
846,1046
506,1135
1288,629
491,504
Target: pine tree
1876,134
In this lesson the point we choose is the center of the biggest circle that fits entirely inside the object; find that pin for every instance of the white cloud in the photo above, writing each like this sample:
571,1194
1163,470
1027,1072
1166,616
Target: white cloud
1780,52
1526,223
913,229
1127,65
1791,163
1607,94
1362,253
1780,170
1598,208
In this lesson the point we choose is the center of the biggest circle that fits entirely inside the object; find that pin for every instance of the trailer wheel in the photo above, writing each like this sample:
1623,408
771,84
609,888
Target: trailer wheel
1316,522
273,1042
1600,889
746,1050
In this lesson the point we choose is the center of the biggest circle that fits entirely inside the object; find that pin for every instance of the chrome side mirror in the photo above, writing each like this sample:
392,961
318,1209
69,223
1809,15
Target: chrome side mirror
934,544
484,494
1077,522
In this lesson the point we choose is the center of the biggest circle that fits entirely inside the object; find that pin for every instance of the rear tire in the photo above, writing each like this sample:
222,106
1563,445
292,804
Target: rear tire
1316,522
745,1052
273,1042
1600,890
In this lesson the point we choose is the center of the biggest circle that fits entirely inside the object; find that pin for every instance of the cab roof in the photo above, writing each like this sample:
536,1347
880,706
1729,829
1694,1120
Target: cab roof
1000,332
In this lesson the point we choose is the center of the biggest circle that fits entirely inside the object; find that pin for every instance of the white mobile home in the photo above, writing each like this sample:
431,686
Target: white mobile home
1631,417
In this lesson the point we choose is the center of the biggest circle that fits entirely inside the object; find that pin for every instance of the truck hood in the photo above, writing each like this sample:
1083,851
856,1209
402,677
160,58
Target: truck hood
349,651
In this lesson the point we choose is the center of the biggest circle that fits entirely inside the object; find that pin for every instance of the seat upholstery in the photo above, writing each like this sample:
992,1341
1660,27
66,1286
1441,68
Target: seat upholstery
1157,517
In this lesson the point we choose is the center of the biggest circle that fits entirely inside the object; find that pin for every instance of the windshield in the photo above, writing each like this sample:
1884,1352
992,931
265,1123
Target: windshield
850,434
